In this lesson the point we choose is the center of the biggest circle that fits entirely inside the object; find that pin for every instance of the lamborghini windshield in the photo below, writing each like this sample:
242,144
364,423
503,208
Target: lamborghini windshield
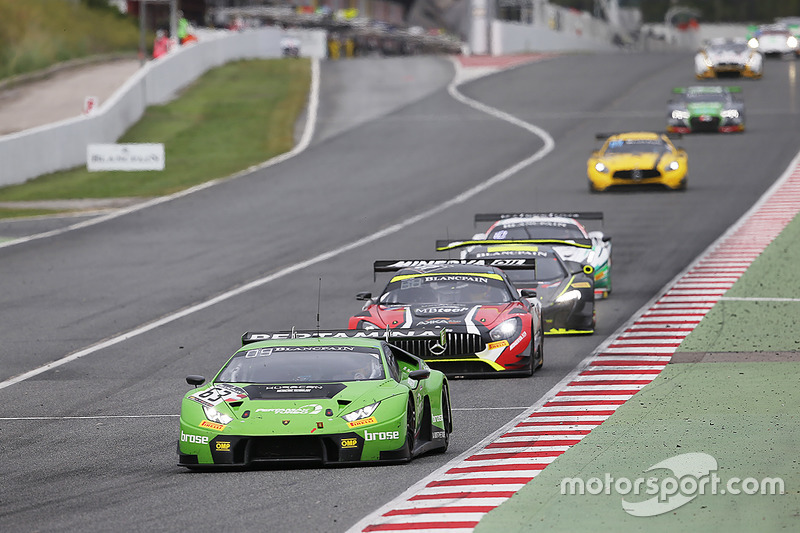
466,288
313,364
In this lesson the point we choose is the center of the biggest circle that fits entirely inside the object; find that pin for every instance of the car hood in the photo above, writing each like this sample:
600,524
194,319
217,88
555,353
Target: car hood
272,401
629,161
453,315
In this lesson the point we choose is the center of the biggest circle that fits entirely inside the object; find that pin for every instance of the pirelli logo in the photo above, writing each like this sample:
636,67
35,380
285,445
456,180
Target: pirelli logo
362,422
349,443
498,344
212,425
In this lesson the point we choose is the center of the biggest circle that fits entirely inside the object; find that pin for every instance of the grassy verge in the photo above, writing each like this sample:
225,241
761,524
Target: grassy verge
36,34
233,117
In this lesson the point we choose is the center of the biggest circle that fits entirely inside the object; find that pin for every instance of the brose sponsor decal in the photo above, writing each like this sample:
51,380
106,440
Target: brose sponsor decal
223,446
438,418
194,439
381,435
349,443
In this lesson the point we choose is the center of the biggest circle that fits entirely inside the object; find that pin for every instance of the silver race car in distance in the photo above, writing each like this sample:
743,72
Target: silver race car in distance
728,58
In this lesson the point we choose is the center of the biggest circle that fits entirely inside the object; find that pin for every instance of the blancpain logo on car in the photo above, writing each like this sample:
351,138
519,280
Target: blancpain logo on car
310,409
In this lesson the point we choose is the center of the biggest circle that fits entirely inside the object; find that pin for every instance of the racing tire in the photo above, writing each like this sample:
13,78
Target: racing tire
446,419
411,428
540,364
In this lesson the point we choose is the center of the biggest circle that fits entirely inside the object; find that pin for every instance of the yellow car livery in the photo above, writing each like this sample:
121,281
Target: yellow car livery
637,159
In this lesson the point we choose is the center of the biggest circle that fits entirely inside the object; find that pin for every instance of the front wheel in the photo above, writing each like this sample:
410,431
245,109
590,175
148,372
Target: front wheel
447,423
411,427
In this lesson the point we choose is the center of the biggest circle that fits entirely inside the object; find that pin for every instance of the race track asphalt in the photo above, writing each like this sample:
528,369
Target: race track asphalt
99,433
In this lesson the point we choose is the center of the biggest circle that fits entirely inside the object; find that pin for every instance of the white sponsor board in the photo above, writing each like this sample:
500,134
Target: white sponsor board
130,157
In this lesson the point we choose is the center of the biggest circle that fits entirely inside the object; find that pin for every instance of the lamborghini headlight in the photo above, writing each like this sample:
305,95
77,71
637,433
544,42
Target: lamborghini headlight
680,114
600,167
569,296
729,113
707,61
673,165
364,412
753,43
215,416
508,329
791,41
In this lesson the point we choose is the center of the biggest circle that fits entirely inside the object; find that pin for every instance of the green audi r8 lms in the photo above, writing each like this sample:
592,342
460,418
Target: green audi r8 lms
328,397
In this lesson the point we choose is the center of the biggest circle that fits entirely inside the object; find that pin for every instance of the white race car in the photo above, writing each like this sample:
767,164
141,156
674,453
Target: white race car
728,57
774,40
546,229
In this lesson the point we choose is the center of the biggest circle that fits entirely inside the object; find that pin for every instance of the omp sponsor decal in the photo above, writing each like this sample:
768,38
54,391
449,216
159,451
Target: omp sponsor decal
349,443
497,344
212,425
222,446
310,409
362,422
381,435
194,439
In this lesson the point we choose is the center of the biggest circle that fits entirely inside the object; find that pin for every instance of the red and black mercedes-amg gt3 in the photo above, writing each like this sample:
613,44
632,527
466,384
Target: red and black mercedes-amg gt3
491,328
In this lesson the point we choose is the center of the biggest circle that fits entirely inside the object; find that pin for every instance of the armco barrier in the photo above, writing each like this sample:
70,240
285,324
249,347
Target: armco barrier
62,145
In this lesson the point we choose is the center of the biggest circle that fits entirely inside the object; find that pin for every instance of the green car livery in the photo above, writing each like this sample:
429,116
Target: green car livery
328,397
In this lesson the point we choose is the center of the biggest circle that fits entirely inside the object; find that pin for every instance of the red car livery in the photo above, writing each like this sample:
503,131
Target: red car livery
489,328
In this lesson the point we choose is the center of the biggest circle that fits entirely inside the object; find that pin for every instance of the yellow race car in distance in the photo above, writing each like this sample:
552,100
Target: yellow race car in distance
637,158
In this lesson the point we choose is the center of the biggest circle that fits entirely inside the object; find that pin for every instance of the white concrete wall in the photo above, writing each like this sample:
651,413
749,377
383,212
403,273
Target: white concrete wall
515,38
60,146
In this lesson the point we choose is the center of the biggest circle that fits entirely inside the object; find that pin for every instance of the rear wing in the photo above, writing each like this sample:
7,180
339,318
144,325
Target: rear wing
669,134
502,263
707,90
581,215
445,245
380,334
395,337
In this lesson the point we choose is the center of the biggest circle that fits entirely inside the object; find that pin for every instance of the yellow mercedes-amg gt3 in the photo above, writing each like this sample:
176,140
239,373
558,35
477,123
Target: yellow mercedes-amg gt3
635,159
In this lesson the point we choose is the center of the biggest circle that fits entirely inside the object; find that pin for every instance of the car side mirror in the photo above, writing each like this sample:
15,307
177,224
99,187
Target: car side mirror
195,380
576,267
417,375
527,293
364,296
